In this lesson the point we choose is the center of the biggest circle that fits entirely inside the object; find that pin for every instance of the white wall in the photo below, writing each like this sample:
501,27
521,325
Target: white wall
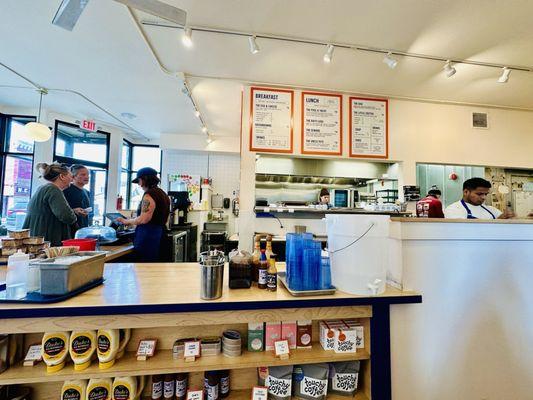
223,168
220,144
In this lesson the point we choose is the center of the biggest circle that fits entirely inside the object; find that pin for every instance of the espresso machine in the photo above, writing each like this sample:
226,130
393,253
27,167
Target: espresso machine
179,204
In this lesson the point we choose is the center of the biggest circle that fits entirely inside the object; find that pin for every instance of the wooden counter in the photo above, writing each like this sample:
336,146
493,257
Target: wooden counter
114,252
465,221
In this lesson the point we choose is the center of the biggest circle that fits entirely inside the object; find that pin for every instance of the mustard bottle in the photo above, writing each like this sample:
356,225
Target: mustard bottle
126,388
99,389
74,390
55,350
111,344
81,349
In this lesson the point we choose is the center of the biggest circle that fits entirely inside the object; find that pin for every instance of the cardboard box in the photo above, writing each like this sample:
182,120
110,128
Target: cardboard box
304,334
327,333
288,332
256,336
272,334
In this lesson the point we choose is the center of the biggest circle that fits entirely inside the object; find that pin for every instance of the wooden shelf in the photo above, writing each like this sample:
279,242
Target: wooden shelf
163,363
247,395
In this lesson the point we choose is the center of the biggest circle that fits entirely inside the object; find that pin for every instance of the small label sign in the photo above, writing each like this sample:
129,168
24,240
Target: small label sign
195,394
146,349
191,350
259,393
34,355
281,348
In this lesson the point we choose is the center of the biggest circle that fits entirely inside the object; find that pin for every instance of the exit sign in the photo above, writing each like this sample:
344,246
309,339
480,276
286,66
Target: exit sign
88,125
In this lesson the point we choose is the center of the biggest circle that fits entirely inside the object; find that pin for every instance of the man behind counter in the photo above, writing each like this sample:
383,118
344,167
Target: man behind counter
78,197
475,191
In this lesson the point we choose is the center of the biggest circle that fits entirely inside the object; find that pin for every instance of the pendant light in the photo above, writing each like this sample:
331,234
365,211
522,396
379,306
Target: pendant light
35,130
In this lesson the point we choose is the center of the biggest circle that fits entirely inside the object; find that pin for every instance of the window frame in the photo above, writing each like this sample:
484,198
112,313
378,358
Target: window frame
72,160
5,133
129,171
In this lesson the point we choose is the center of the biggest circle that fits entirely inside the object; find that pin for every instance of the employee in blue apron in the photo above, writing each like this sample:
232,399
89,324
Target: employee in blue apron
475,191
152,216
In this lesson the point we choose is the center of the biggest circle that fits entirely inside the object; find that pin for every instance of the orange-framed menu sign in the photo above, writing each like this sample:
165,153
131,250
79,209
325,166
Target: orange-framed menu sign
321,123
369,127
271,113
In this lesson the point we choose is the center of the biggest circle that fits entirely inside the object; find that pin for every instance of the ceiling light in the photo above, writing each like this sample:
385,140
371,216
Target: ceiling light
504,77
390,61
35,130
328,55
187,37
254,47
197,114
449,69
128,115
204,129
209,139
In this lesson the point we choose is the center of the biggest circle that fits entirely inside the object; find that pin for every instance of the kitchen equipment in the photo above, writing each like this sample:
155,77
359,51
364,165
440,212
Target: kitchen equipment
344,197
179,246
300,228
211,274
62,275
103,234
191,240
179,205
213,240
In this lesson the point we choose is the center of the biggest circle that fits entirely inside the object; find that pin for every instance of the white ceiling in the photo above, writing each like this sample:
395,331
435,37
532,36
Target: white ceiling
105,58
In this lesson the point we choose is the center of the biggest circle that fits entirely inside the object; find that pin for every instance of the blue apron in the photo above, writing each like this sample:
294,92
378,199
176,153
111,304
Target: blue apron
469,213
146,242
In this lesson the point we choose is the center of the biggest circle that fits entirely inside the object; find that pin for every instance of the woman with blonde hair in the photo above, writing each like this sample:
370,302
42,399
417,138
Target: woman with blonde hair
49,214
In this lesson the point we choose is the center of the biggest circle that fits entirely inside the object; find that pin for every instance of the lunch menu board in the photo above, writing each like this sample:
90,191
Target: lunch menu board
321,123
271,120
369,128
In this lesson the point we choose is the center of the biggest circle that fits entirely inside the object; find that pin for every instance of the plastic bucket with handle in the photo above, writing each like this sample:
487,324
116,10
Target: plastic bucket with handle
358,246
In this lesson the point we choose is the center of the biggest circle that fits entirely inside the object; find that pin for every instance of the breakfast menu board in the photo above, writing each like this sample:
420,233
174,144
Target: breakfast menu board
369,128
321,123
271,120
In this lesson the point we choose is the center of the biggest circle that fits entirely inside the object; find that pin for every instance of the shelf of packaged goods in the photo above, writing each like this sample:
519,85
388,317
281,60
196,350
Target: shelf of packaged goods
247,395
163,363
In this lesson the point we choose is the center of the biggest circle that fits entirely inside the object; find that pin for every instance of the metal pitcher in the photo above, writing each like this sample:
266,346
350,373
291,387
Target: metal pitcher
212,274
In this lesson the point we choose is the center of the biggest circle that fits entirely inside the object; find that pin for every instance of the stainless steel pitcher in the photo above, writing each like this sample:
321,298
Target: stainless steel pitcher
212,274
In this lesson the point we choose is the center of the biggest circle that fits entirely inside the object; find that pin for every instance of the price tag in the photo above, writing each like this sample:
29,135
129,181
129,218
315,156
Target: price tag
267,210
34,355
291,210
195,394
146,349
191,350
259,393
281,348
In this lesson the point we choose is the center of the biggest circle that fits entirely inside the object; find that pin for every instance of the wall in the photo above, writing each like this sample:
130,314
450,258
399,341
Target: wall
419,132
220,144
222,168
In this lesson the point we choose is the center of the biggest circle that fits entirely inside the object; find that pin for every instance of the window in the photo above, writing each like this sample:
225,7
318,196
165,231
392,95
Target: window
74,145
135,157
16,170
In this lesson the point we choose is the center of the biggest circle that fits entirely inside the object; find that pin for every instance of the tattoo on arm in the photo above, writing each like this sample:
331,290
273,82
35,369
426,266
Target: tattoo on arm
145,206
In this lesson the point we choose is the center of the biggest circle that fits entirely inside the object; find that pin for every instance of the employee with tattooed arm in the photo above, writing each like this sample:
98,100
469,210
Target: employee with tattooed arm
152,216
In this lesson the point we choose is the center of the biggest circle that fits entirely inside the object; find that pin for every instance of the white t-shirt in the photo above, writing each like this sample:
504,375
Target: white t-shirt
457,210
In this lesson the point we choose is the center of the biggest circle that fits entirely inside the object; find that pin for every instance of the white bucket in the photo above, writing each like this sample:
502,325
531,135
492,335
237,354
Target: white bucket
358,246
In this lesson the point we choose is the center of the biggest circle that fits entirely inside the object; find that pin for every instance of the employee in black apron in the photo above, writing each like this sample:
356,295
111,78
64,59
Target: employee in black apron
475,191
152,216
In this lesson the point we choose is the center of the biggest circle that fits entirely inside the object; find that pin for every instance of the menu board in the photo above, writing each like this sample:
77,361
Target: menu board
369,135
271,120
321,123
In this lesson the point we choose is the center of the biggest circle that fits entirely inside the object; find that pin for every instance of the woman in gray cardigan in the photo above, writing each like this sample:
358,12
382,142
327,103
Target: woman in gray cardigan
49,214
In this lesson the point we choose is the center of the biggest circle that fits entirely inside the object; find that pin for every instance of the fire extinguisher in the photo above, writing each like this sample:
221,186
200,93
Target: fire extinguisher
119,202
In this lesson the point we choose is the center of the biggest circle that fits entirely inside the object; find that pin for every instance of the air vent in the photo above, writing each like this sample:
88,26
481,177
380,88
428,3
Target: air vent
480,120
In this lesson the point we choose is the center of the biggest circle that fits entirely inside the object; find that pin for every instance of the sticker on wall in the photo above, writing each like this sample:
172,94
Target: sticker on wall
271,113
369,136
321,123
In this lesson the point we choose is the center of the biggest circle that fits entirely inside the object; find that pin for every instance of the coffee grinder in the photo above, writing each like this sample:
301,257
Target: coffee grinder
179,202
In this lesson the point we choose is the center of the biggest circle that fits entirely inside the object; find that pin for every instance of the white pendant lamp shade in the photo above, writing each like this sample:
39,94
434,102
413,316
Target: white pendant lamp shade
35,130
38,132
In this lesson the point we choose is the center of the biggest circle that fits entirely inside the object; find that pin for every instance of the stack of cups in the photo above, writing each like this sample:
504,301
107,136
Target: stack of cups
293,260
231,343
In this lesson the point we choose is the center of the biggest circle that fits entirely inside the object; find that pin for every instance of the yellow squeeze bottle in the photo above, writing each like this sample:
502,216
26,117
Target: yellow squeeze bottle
111,344
126,388
55,350
82,347
74,390
99,389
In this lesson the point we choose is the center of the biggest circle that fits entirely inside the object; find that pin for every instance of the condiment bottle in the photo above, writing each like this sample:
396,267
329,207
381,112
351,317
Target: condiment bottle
127,388
74,390
81,349
224,383
17,275
269,253
168,386
262,272
211,385
181,386
272,275
99,388
157,387
55,350
256,255
111,344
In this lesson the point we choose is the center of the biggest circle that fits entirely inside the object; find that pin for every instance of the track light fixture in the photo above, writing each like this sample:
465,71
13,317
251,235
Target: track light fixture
186,39
449,69
209,139
204,129
390,61
197,113
328,55
254,47
504,77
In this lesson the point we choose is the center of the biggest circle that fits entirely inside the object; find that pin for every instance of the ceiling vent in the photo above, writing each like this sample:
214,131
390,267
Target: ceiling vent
480,120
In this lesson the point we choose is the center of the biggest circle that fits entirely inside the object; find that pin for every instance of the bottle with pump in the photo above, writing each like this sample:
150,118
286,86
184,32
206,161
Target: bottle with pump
262,273
272,275
17,275
256,255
